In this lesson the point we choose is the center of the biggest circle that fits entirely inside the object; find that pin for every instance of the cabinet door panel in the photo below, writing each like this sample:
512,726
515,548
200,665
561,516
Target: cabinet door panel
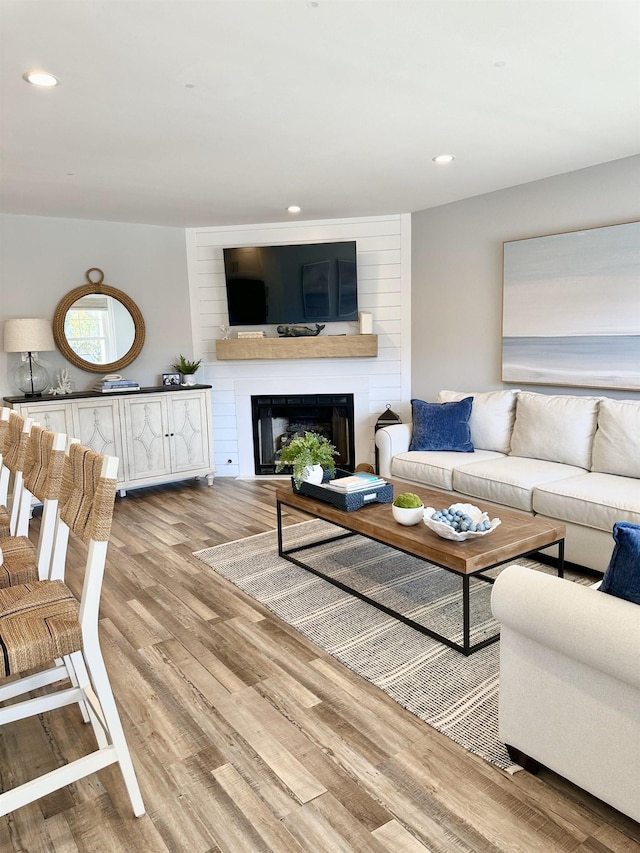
147,437
189,431
53,417
97,424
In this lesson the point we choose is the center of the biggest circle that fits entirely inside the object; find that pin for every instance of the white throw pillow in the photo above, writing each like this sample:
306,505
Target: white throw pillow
492,416
555,428
616,446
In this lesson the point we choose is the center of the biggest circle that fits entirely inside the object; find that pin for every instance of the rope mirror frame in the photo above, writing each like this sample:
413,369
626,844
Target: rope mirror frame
98,286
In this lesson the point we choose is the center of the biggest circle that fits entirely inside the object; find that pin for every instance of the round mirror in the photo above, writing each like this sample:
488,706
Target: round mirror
98,328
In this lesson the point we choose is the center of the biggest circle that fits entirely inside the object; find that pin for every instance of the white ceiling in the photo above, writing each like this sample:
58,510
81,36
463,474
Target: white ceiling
214,112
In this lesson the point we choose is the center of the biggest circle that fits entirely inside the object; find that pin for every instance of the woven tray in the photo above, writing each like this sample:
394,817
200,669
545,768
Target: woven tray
347,502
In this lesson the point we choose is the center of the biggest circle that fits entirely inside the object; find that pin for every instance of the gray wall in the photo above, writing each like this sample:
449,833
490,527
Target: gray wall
457,269
42,259
456,274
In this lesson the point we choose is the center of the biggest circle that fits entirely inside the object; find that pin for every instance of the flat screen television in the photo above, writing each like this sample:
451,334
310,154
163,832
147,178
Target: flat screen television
309,283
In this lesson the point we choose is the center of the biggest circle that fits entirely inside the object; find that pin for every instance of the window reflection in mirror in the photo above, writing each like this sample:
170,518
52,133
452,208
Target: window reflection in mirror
99,328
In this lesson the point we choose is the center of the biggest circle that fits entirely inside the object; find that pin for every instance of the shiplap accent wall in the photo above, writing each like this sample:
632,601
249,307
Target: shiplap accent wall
383,246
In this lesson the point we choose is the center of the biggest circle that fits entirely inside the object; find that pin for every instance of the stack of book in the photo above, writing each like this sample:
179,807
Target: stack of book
359,482
109,386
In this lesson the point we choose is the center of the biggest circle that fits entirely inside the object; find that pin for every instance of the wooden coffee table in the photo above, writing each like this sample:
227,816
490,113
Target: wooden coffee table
519,535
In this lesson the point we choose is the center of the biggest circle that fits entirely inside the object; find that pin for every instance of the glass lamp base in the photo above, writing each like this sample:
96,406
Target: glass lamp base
32,378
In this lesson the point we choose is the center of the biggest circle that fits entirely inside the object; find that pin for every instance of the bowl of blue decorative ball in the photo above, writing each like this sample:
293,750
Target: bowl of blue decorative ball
459,522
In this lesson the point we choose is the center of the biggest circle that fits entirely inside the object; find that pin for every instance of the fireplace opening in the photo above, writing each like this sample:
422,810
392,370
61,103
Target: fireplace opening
276,419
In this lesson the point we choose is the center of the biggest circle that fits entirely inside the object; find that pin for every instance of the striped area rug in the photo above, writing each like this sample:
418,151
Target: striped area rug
457,695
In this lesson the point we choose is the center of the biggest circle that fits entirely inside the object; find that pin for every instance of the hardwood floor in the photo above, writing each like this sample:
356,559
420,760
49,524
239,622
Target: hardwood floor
246,737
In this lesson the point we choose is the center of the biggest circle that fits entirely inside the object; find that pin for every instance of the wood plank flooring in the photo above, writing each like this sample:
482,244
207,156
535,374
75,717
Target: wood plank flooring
247,737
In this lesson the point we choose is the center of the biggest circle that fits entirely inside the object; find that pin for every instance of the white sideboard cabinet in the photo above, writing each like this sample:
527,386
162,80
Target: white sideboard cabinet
158,434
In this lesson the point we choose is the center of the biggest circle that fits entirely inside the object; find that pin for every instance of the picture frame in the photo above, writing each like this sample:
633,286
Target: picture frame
571,309
173,379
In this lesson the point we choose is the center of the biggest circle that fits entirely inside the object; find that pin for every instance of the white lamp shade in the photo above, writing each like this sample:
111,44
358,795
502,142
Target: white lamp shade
28,336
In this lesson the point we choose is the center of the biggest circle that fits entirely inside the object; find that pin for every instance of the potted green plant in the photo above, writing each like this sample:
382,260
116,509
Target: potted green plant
187,369
309,455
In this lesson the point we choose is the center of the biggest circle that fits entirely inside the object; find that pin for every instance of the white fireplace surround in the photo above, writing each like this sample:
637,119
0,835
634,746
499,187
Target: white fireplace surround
384,291
244,389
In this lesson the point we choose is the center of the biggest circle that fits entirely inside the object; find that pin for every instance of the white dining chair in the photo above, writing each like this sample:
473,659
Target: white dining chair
14,449
42,622
21,560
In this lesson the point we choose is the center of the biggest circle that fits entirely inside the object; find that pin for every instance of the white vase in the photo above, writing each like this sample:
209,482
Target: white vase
189,379
313,474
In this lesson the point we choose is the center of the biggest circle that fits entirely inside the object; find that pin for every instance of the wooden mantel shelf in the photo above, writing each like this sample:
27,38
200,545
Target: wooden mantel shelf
319,346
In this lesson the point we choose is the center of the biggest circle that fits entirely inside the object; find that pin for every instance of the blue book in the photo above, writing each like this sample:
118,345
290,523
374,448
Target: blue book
356,482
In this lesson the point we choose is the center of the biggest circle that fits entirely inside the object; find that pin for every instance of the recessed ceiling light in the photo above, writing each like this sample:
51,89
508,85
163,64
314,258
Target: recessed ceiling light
293,208
443,158
41,78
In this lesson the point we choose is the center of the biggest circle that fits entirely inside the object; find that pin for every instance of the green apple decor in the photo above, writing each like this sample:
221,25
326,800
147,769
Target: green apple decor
408,500
304,451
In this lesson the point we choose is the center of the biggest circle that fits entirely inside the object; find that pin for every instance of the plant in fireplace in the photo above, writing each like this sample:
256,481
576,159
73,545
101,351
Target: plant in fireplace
304,452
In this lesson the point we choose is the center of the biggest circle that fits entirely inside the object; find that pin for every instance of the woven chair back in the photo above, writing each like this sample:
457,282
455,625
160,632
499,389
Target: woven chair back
4,426
87,499
15,443
43,465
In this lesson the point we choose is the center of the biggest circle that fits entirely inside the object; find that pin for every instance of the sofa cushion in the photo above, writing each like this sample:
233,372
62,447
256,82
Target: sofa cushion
441,426
591,499
616,445
434,468
555,428
508,480
622,577
492,417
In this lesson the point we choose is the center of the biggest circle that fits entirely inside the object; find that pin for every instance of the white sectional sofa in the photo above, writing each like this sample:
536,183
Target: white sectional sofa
567,458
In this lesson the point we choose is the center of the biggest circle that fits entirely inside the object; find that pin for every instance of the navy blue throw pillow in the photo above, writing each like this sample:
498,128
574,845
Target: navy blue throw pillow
622,577
441,426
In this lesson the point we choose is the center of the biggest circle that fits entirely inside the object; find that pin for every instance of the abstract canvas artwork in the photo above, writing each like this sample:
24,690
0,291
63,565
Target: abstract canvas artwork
571,313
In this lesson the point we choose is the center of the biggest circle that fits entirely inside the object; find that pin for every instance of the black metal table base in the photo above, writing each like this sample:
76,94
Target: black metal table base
466,648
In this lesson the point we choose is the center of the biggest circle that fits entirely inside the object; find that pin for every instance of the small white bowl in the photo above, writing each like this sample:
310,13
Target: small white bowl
407,515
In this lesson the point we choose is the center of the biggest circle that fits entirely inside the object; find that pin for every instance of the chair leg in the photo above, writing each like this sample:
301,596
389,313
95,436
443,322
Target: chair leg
107,726
27,683
99,680
53,781
62,670
70,664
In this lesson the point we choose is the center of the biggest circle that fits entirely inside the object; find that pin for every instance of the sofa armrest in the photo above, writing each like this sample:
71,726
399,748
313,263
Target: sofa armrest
580,622
390,441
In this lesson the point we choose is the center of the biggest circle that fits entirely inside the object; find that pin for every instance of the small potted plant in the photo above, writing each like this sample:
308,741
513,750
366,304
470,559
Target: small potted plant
408,508
187,369
309,455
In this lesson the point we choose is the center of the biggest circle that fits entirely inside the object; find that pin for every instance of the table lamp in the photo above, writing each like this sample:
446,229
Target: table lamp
31,337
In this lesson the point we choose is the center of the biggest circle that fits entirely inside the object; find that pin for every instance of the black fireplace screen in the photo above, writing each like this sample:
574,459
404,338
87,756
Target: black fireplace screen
277,419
